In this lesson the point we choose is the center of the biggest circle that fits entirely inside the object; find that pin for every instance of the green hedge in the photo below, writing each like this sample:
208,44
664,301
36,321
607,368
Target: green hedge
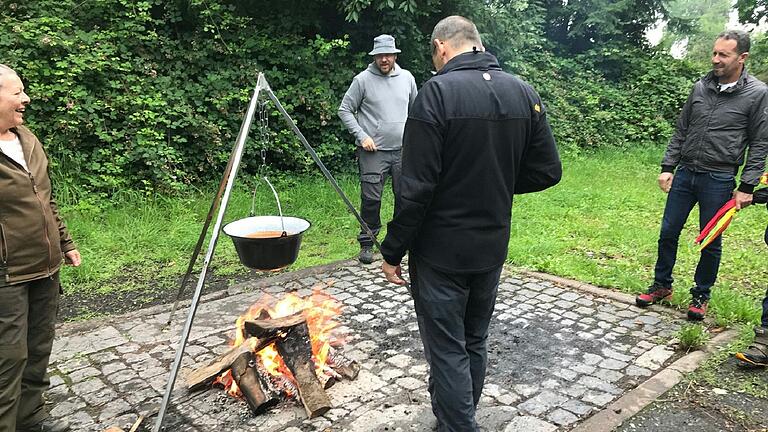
150,94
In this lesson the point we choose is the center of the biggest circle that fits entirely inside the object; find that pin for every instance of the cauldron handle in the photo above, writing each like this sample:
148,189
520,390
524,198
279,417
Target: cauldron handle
279,207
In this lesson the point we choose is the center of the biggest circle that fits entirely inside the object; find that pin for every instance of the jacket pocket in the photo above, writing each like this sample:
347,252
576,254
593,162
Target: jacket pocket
389,135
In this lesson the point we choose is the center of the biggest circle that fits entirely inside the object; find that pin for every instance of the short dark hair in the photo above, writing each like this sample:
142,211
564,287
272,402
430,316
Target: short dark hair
740,36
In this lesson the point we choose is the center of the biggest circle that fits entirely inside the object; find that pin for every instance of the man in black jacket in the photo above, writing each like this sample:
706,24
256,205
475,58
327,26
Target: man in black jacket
726,113
475,136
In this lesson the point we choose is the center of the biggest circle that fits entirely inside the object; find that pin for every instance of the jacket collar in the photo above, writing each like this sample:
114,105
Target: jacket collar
478,60
27,140
712,81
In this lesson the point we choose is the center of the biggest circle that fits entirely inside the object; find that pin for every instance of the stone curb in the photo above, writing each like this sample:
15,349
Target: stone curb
643,395
75,327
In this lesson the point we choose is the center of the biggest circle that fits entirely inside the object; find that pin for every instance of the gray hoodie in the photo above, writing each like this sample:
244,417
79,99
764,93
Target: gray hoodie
376,106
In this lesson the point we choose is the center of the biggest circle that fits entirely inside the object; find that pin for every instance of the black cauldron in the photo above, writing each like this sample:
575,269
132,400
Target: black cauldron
267,253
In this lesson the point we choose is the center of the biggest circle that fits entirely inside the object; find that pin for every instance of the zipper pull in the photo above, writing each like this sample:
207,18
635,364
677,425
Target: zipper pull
34,185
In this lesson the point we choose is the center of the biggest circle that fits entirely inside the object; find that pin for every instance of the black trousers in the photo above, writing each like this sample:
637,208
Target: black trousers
27,321
454,313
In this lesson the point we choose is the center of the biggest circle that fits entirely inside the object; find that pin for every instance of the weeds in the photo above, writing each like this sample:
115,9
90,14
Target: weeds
692,336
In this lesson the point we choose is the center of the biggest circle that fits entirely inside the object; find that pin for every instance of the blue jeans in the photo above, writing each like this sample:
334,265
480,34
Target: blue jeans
711,191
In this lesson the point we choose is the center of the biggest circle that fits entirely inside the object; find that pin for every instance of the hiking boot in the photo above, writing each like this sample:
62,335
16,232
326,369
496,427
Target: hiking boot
656,293
757,353
48,425
366,255
697,309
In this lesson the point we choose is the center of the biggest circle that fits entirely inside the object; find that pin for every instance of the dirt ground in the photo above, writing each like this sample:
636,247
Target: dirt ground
722,395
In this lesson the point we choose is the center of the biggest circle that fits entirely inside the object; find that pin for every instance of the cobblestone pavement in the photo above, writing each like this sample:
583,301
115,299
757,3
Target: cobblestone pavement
556,355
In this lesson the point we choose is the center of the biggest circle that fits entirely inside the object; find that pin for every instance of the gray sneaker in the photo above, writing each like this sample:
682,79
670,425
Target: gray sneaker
366,255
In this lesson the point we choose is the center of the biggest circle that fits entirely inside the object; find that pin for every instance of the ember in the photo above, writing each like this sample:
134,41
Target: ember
282,350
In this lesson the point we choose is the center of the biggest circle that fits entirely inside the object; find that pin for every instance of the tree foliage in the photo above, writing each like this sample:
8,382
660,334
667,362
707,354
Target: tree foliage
149,94
583,24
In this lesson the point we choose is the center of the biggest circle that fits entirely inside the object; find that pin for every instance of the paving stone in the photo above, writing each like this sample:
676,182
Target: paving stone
541,403
577,407
597,398
89,386
494,418
562,417
613,364
400,360
410,383
654,358
573,373
529,424
114,409
638,371
596,383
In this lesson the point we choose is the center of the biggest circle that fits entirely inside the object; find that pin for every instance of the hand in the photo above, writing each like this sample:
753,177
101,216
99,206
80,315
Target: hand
368,144
742,199
392,273
665,181
73,258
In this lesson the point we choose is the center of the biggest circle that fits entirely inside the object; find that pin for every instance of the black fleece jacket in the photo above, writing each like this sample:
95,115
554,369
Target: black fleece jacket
475,136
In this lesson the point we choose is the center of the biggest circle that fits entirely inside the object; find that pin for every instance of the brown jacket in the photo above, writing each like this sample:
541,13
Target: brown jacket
33,238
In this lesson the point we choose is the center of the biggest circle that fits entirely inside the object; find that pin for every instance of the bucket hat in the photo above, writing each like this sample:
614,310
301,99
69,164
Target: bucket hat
384,44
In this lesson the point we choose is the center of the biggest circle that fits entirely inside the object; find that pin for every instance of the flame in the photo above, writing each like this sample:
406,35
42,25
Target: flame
319,310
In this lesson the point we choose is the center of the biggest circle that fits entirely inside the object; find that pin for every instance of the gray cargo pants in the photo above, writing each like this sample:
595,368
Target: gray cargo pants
454,313
27,321
374,169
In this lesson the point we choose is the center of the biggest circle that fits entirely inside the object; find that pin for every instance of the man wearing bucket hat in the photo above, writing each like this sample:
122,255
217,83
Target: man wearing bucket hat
374,109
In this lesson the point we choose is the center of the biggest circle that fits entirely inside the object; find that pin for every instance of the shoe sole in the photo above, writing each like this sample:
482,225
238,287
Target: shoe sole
695,318
744,358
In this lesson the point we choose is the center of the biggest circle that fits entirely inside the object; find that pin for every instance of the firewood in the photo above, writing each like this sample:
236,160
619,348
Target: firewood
346,367
259,327
296,350
201,376
254,390
136,424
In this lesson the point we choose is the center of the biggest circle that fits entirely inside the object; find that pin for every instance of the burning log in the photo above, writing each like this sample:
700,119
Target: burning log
199,377
255,390
296,351
259,327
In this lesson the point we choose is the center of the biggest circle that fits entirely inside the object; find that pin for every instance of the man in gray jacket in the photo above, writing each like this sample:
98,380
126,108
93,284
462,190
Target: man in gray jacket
726,114
374,110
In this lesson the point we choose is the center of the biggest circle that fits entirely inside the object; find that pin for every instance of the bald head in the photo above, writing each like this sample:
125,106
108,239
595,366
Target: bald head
458,32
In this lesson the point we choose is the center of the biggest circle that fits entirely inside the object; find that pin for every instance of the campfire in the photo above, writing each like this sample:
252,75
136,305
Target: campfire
283,349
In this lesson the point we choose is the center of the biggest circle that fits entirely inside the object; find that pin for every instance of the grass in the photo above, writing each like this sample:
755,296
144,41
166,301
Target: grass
600,225
692,336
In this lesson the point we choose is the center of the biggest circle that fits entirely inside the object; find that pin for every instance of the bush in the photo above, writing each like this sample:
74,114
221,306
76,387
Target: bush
150,94
616,96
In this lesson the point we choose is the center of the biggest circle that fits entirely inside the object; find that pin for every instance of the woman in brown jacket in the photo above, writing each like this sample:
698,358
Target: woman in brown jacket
33,243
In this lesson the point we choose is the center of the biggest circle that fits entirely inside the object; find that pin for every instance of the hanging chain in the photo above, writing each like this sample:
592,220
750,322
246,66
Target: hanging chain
263,138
